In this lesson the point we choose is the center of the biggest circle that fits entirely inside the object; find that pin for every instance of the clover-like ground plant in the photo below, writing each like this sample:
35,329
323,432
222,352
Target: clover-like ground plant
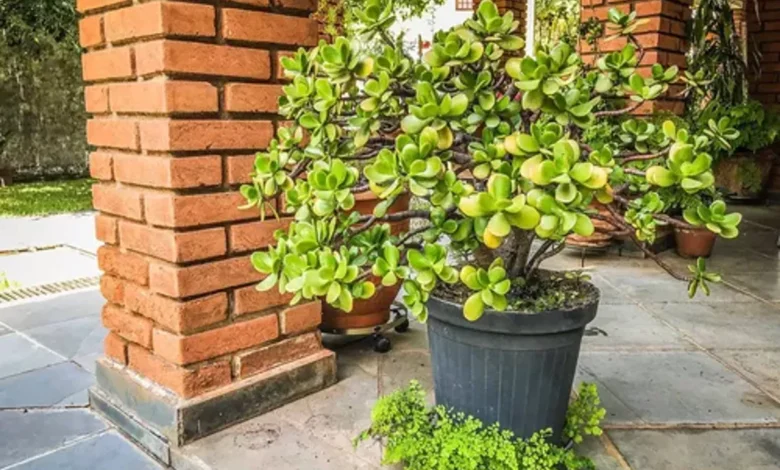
493,143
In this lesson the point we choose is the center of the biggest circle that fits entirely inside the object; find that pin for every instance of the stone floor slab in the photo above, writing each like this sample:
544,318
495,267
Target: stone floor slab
336,415
72,338
48,311
765,285
723,325
106,451
673,387
757,449
594,449
273,444
397,370
46,266
77,230
762,367
621,326
18,355
25,435
648,285
62,384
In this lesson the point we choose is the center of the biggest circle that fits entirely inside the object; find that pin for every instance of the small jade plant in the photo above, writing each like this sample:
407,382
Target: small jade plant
423,438
714,218
492,143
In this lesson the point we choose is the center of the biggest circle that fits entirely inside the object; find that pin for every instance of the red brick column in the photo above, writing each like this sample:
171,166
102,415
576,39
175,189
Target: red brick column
518,7
181,96
764,35
663,39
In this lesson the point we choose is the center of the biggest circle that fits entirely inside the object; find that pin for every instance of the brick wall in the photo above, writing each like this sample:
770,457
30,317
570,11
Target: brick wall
663,39
764,35
181,96
518,7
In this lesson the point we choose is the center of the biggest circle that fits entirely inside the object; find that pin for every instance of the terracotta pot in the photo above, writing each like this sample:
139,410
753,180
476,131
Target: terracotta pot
694,243
745,176
376,310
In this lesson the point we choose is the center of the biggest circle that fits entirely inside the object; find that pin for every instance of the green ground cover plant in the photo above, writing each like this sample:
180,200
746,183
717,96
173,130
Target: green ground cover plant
435,438
46,198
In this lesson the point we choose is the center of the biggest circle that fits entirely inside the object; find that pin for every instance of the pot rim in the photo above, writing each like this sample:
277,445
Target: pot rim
517,323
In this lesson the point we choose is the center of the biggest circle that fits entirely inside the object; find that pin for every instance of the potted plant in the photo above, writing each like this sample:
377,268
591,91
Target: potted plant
744,165
505,334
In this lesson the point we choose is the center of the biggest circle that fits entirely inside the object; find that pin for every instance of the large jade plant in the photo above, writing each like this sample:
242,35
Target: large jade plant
489,142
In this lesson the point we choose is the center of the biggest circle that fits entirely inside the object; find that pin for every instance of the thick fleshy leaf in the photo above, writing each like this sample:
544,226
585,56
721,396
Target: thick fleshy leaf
498,225
583,226
473,308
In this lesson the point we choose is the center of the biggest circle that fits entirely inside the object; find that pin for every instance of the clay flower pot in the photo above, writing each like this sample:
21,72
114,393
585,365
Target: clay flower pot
375,311
745,176
694,243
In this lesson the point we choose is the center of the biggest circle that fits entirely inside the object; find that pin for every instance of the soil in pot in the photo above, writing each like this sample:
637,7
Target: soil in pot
745,176
375,311
515,368
694,243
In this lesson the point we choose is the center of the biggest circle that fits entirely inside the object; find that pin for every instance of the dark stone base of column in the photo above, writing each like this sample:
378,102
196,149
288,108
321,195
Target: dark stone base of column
157,420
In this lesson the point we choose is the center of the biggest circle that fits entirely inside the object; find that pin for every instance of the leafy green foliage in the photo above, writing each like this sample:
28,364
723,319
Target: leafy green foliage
41,98
492,143
424,438
584,414
701,278
751,127
714,218
45,198
491,286
556,21
7,284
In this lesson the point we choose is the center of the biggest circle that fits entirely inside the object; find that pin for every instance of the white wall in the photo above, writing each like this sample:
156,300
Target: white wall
442,18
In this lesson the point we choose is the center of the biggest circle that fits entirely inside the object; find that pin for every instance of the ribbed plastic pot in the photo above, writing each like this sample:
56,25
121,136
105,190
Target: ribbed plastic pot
509,368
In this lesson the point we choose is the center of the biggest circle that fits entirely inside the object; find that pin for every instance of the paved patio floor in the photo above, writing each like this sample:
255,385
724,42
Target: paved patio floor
688,384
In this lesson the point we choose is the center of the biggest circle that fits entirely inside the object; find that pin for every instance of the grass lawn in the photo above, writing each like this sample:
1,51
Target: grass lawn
47,197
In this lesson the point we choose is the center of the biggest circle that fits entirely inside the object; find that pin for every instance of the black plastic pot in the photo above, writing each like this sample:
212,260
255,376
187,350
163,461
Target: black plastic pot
509,368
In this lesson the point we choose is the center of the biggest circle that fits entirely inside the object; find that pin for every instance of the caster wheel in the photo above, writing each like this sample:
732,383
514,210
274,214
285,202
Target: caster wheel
403,327
382,344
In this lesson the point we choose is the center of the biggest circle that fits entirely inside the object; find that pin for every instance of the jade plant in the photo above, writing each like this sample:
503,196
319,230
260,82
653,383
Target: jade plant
492,145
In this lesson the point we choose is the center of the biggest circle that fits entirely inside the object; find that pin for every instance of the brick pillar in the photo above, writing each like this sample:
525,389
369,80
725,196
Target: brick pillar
764,36
518,7
181,96
663,39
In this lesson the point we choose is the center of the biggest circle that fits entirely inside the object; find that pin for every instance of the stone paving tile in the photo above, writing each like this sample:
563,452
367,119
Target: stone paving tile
762,367
397,370
106,451
756,449
765,284
767,216
629,326
87,362
26,434
62,384
77,230
42,267
673,387
73,338
723,325
274,444
4,330
57,309
336,415
646,285
18,355
594,449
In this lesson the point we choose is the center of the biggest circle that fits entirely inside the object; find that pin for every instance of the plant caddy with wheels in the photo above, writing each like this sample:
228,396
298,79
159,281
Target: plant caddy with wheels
492,143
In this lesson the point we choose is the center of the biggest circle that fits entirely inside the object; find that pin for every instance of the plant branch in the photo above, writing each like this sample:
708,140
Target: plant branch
619,112
646,156
542,255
